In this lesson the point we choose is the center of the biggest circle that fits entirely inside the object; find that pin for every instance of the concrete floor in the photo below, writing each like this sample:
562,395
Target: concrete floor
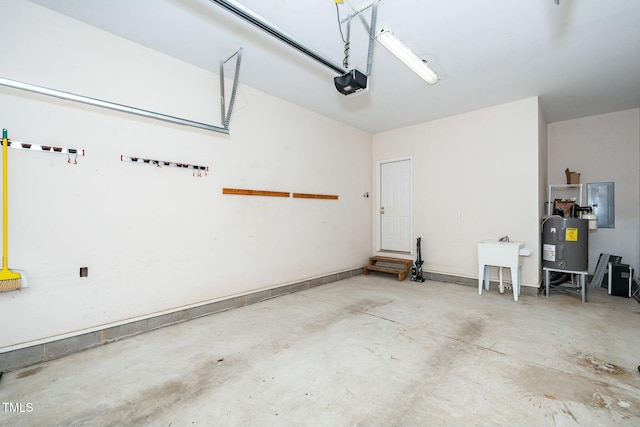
365,351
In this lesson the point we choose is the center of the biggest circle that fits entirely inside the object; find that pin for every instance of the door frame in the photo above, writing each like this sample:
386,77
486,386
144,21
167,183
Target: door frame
378,222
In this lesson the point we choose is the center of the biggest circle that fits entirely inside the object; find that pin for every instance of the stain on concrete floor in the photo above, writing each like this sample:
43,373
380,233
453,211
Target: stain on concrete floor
366,351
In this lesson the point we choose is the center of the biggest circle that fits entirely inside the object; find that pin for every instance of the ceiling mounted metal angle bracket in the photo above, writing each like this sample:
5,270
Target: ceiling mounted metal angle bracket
265,26
226,116
370,27
359,12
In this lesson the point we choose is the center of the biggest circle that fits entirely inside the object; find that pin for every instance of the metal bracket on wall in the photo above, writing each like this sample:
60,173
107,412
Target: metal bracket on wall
50,148
197,170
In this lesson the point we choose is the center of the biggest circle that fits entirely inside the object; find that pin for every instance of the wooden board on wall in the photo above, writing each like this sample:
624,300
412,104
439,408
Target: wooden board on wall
247,192
244,192
314,196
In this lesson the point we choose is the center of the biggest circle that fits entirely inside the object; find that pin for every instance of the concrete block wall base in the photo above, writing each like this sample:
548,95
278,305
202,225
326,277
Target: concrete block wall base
23,357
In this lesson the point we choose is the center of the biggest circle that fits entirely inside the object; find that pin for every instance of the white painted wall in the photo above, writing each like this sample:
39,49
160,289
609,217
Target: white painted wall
483,165
604,148
156,239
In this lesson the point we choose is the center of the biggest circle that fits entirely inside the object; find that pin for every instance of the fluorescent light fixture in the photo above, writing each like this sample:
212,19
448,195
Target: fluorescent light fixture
406,55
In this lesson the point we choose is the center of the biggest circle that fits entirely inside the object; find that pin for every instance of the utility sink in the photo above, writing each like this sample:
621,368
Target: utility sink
495,252
500,254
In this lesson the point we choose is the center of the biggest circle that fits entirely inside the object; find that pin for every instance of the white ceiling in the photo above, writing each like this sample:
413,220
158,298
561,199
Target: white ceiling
582,57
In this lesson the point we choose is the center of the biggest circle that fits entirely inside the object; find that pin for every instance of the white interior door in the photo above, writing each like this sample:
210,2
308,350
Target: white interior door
395,206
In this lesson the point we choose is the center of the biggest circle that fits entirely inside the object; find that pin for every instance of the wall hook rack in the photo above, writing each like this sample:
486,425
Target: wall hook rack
197,170
75,152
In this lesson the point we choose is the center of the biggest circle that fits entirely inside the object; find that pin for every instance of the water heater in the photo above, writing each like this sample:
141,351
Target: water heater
565,243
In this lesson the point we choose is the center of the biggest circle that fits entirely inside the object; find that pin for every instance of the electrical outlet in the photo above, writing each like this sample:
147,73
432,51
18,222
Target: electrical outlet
459,215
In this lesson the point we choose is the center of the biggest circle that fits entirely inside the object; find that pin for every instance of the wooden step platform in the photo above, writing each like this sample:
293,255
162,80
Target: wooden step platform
399,266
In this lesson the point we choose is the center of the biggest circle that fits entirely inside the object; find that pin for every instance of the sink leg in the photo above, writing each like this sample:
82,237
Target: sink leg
515,278
487,276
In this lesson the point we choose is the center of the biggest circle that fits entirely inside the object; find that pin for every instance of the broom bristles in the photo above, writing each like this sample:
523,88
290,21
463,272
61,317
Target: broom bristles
10,285
10,280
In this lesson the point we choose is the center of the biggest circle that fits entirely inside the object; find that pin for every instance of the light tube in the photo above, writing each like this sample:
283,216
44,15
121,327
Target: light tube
406,55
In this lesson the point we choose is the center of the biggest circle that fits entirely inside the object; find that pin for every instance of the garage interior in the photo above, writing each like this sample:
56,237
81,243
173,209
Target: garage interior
192,205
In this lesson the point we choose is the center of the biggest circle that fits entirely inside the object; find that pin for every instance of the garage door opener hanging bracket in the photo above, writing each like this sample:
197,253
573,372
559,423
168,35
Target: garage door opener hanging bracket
349,81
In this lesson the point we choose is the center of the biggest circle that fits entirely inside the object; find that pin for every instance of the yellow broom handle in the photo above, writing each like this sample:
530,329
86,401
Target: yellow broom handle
5,199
